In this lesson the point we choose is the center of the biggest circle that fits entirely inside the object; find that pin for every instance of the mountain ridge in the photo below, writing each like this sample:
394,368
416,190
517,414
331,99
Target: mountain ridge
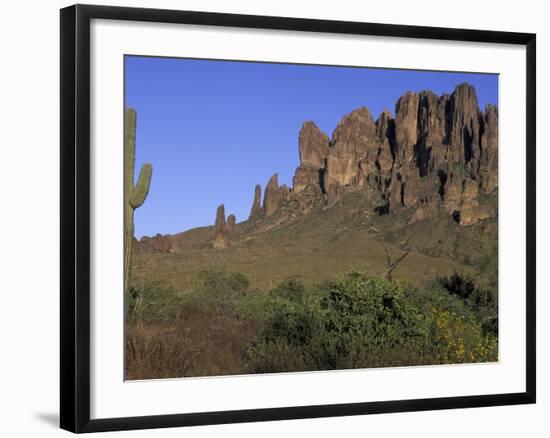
437,154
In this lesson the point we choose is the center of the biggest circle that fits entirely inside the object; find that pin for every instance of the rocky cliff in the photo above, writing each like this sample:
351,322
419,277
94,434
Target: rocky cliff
435,154
436,151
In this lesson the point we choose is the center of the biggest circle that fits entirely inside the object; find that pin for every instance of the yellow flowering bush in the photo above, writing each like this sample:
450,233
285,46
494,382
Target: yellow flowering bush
459,338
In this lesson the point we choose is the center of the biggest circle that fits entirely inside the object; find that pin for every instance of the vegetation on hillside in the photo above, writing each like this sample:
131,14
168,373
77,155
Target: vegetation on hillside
354,320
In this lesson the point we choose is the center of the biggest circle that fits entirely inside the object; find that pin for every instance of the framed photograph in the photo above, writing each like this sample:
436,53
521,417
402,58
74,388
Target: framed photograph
268,218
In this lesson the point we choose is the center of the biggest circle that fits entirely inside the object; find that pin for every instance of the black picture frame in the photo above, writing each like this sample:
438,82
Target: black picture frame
75,217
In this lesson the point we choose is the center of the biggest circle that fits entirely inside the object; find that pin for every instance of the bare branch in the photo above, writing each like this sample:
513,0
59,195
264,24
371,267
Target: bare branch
386,250
391,266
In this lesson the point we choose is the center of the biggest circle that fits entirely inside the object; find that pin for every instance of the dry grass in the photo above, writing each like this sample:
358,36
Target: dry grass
196,343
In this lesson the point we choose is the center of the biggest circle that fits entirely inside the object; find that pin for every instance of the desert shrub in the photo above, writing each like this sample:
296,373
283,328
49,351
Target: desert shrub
285,341
459,339
222,283
351,321
490,326
260,306
354,320
459,285
295,324
151,302
218,290
478,299
358,320
256,305
364,315
433,294
481,302
291,289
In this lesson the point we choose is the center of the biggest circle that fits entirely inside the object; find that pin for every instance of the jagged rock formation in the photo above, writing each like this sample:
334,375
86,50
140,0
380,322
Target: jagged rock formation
219,224
313,147
436,151
352,154
272,196
256,204
230,223
285,192
220,238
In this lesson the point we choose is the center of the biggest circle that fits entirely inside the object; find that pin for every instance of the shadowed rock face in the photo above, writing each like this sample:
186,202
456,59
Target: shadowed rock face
385,135
488,163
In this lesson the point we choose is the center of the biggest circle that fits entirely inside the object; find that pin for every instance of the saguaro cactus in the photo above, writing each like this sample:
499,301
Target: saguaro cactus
134,195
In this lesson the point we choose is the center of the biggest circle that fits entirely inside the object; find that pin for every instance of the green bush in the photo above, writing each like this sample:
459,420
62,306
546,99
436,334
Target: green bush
151,302
481,302
218,290
260,306
360,321
363,315
353,320
456,284
290,289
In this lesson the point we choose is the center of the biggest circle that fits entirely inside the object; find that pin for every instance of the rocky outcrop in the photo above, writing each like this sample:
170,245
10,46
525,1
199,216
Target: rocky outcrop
273,196
222,229
305,177
437,150
464,139
257,203
385,135
230,223
285,193
488,169
352,154
155,244
219,224
464,204
313,147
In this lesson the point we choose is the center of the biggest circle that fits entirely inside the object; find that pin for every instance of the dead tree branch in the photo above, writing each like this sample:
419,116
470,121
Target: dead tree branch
392,265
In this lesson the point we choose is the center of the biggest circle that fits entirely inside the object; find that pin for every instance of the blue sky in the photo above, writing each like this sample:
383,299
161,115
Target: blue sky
214,129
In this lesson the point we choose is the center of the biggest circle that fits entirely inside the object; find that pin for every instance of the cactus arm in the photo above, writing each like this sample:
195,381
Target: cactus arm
142,187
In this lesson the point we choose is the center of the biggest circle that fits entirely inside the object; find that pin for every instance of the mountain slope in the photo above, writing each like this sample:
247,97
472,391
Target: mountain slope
426,180
319,244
